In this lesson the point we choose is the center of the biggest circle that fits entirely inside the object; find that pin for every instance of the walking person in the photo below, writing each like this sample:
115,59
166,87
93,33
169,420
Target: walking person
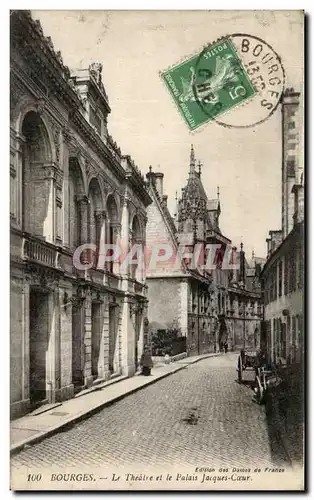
146,362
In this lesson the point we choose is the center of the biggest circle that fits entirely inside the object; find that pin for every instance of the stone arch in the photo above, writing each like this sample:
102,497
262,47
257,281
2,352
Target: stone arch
37,172
22,110
78,202
136,228
113,226
136,239
95,210
112,208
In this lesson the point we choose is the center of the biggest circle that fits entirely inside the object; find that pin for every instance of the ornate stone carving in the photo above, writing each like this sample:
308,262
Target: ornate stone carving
56,139
95,70
40,106
66,133
42,277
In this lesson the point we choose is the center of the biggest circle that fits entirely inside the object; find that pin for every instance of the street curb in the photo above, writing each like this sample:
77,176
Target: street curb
44,434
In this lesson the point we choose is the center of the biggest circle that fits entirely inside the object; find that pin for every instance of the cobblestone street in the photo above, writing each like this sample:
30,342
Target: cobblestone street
199,415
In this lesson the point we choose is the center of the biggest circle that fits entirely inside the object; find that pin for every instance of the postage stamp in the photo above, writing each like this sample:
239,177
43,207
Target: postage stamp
209,84
225,76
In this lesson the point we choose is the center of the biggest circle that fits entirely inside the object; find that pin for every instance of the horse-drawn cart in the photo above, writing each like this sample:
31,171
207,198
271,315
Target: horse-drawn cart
263,376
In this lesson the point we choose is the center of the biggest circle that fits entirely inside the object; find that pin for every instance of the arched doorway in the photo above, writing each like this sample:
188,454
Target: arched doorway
37,178
95,216
77,204
136,240
95,224
112,226
77,227
223,333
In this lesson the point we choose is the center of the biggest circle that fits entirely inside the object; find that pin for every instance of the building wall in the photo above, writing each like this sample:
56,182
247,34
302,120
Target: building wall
165,306
107,189
283,298
292,146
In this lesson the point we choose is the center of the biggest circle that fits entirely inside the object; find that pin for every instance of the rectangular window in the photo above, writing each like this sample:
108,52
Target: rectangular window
12,196
275,281
95,119
286,276
291,125
280,279
291,166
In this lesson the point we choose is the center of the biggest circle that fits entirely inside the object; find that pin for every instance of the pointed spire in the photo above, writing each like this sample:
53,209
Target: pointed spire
199,168
218,193
192,160
241,246
253,254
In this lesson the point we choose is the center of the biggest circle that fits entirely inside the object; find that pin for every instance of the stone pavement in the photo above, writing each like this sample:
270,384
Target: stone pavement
199,415
38,425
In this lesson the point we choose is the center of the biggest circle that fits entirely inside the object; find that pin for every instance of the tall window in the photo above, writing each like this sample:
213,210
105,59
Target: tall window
280,279
95,119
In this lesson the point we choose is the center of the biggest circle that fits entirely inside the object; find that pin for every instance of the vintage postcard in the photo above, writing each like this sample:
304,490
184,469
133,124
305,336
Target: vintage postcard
157,250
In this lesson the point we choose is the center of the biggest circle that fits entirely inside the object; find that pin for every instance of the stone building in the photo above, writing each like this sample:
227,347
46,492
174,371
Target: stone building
71,325
283,273
209,306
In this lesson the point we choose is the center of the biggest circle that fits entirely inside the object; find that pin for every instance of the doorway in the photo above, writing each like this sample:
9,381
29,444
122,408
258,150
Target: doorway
95,337
77,346
38,344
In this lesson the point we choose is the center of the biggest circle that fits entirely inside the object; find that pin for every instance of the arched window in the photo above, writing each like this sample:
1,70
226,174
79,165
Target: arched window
136,240
77,205
112,225
95,214
37,157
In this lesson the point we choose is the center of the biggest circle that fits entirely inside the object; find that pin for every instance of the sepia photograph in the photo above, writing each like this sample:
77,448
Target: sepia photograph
157,325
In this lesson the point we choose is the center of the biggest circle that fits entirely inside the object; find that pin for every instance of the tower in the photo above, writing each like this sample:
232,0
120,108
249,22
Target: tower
192,205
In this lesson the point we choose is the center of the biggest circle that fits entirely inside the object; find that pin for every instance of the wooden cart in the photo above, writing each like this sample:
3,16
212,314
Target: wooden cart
264,378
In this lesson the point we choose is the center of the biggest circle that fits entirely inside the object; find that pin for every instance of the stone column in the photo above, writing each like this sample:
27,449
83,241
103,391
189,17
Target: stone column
82,202
25,326
57,340
125,235
105,338
51,351
50,221
88,378
19,178
116,240
64,158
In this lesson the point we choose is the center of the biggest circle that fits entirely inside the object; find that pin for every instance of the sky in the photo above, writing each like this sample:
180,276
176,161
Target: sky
134,47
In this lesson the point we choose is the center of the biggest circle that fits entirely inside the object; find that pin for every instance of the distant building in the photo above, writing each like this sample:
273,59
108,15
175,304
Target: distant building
70,185
208,306
283,272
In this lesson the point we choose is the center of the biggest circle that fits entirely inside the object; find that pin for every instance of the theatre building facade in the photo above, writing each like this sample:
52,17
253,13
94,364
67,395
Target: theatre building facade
72,325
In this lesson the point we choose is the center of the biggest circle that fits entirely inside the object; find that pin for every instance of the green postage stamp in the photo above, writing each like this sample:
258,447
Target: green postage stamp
209,84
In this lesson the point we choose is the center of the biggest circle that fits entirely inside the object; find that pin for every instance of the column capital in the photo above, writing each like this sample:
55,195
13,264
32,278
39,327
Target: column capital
82,199
100,215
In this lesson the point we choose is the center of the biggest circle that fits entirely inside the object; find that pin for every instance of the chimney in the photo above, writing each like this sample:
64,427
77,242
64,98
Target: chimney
242,265
159,180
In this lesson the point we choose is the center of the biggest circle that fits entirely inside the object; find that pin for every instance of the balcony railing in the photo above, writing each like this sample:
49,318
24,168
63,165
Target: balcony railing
39,251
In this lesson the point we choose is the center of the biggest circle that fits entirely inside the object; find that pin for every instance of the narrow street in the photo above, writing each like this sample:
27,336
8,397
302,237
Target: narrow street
199,415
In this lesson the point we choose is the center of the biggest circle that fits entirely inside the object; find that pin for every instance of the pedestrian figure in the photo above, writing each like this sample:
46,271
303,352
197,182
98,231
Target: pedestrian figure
226,347
146,362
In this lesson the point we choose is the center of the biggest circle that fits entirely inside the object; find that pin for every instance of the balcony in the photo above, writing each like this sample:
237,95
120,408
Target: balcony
39,252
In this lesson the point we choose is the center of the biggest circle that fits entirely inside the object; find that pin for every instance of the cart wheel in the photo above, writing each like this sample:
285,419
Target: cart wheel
240,369
259,391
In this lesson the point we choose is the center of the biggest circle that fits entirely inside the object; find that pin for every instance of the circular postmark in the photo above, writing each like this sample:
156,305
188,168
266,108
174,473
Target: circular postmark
238,81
